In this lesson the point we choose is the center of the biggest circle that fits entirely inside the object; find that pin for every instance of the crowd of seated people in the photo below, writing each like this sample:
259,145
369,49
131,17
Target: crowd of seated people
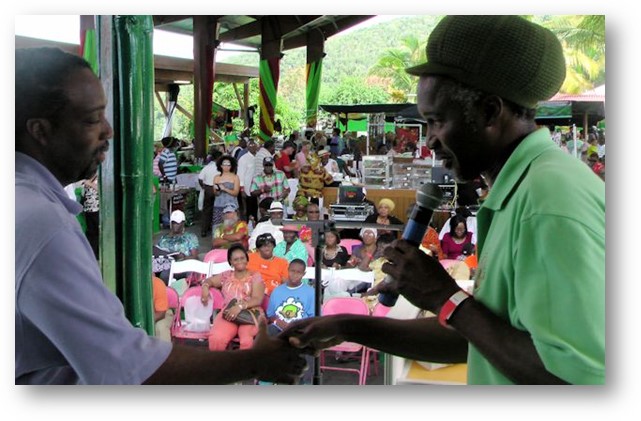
259,256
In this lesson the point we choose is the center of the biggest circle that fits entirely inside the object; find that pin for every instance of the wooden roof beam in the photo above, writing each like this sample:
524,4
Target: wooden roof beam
328,30
160,20
284,25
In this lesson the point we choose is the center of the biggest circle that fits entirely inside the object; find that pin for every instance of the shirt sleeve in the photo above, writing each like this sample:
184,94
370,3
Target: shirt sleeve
300,252
83,320
161,301
192,242
254,185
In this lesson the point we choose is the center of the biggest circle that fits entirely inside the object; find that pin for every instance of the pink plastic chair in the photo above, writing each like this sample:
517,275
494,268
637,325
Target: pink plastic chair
350,243
216,256
172,298
196,323
446,263
347,305
379,310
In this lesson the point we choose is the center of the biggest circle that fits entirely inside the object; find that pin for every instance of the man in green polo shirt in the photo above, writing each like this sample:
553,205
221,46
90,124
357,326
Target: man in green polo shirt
534,317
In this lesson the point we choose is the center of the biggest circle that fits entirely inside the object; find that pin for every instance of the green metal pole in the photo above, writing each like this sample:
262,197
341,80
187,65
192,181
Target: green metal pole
136,85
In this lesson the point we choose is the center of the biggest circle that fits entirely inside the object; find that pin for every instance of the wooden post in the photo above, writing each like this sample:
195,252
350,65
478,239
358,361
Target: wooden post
269,67
313,70
205,43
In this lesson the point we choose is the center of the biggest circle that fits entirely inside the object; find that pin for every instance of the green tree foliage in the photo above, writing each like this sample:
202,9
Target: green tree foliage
368,66
393,62
583,40
355,90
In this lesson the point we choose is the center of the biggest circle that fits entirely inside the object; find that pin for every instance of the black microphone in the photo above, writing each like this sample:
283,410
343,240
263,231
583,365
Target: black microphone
428,198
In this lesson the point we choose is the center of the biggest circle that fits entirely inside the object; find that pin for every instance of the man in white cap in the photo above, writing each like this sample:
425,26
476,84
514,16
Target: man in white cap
232,230
275,212
177,240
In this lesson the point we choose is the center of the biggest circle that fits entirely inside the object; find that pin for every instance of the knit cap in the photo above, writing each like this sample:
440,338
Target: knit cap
503,55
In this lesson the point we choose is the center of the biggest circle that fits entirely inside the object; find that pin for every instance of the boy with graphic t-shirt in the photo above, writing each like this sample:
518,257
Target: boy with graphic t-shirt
292,300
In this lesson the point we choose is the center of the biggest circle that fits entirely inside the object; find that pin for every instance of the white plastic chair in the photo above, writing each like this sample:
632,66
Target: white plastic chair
188,265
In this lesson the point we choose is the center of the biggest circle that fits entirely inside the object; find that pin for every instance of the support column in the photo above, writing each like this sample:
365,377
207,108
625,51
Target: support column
135,130
315,54
205,43
110,188
246,104
269,71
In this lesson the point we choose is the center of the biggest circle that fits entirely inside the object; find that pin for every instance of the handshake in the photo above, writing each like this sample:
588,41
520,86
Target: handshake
283,356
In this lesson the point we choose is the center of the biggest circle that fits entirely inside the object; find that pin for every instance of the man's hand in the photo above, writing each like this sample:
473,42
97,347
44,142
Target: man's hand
418,277
281,363
315,333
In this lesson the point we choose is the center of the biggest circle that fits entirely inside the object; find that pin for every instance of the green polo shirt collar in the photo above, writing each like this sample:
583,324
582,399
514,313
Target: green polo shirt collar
515,167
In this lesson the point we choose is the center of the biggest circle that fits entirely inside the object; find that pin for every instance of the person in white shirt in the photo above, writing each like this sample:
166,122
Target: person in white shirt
331,166
267,151
245,171
206,181
601,147
275,212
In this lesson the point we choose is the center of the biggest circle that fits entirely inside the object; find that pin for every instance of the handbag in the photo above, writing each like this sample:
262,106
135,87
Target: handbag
248,316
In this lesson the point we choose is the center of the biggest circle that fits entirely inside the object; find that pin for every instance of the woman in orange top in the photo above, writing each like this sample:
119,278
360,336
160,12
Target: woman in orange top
273,269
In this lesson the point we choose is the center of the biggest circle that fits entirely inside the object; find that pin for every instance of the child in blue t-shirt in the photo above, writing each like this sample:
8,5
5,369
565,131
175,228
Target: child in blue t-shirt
291,301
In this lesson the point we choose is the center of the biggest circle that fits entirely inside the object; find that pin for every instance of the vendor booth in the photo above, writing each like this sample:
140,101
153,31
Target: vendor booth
568,110
378,119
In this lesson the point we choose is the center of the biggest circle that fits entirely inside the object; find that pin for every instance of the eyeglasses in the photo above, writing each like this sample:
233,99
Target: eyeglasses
225,164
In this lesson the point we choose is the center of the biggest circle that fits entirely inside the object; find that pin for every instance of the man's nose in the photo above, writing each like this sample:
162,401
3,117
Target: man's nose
108,131
431,140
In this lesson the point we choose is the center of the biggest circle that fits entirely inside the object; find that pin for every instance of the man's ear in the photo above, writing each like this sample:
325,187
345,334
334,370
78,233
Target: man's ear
492,108
39,129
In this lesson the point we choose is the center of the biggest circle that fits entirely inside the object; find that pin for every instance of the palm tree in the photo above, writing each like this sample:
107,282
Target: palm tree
392,64
583,40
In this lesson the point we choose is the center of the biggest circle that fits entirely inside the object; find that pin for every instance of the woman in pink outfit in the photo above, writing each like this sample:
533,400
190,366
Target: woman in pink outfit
247,288
454,241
